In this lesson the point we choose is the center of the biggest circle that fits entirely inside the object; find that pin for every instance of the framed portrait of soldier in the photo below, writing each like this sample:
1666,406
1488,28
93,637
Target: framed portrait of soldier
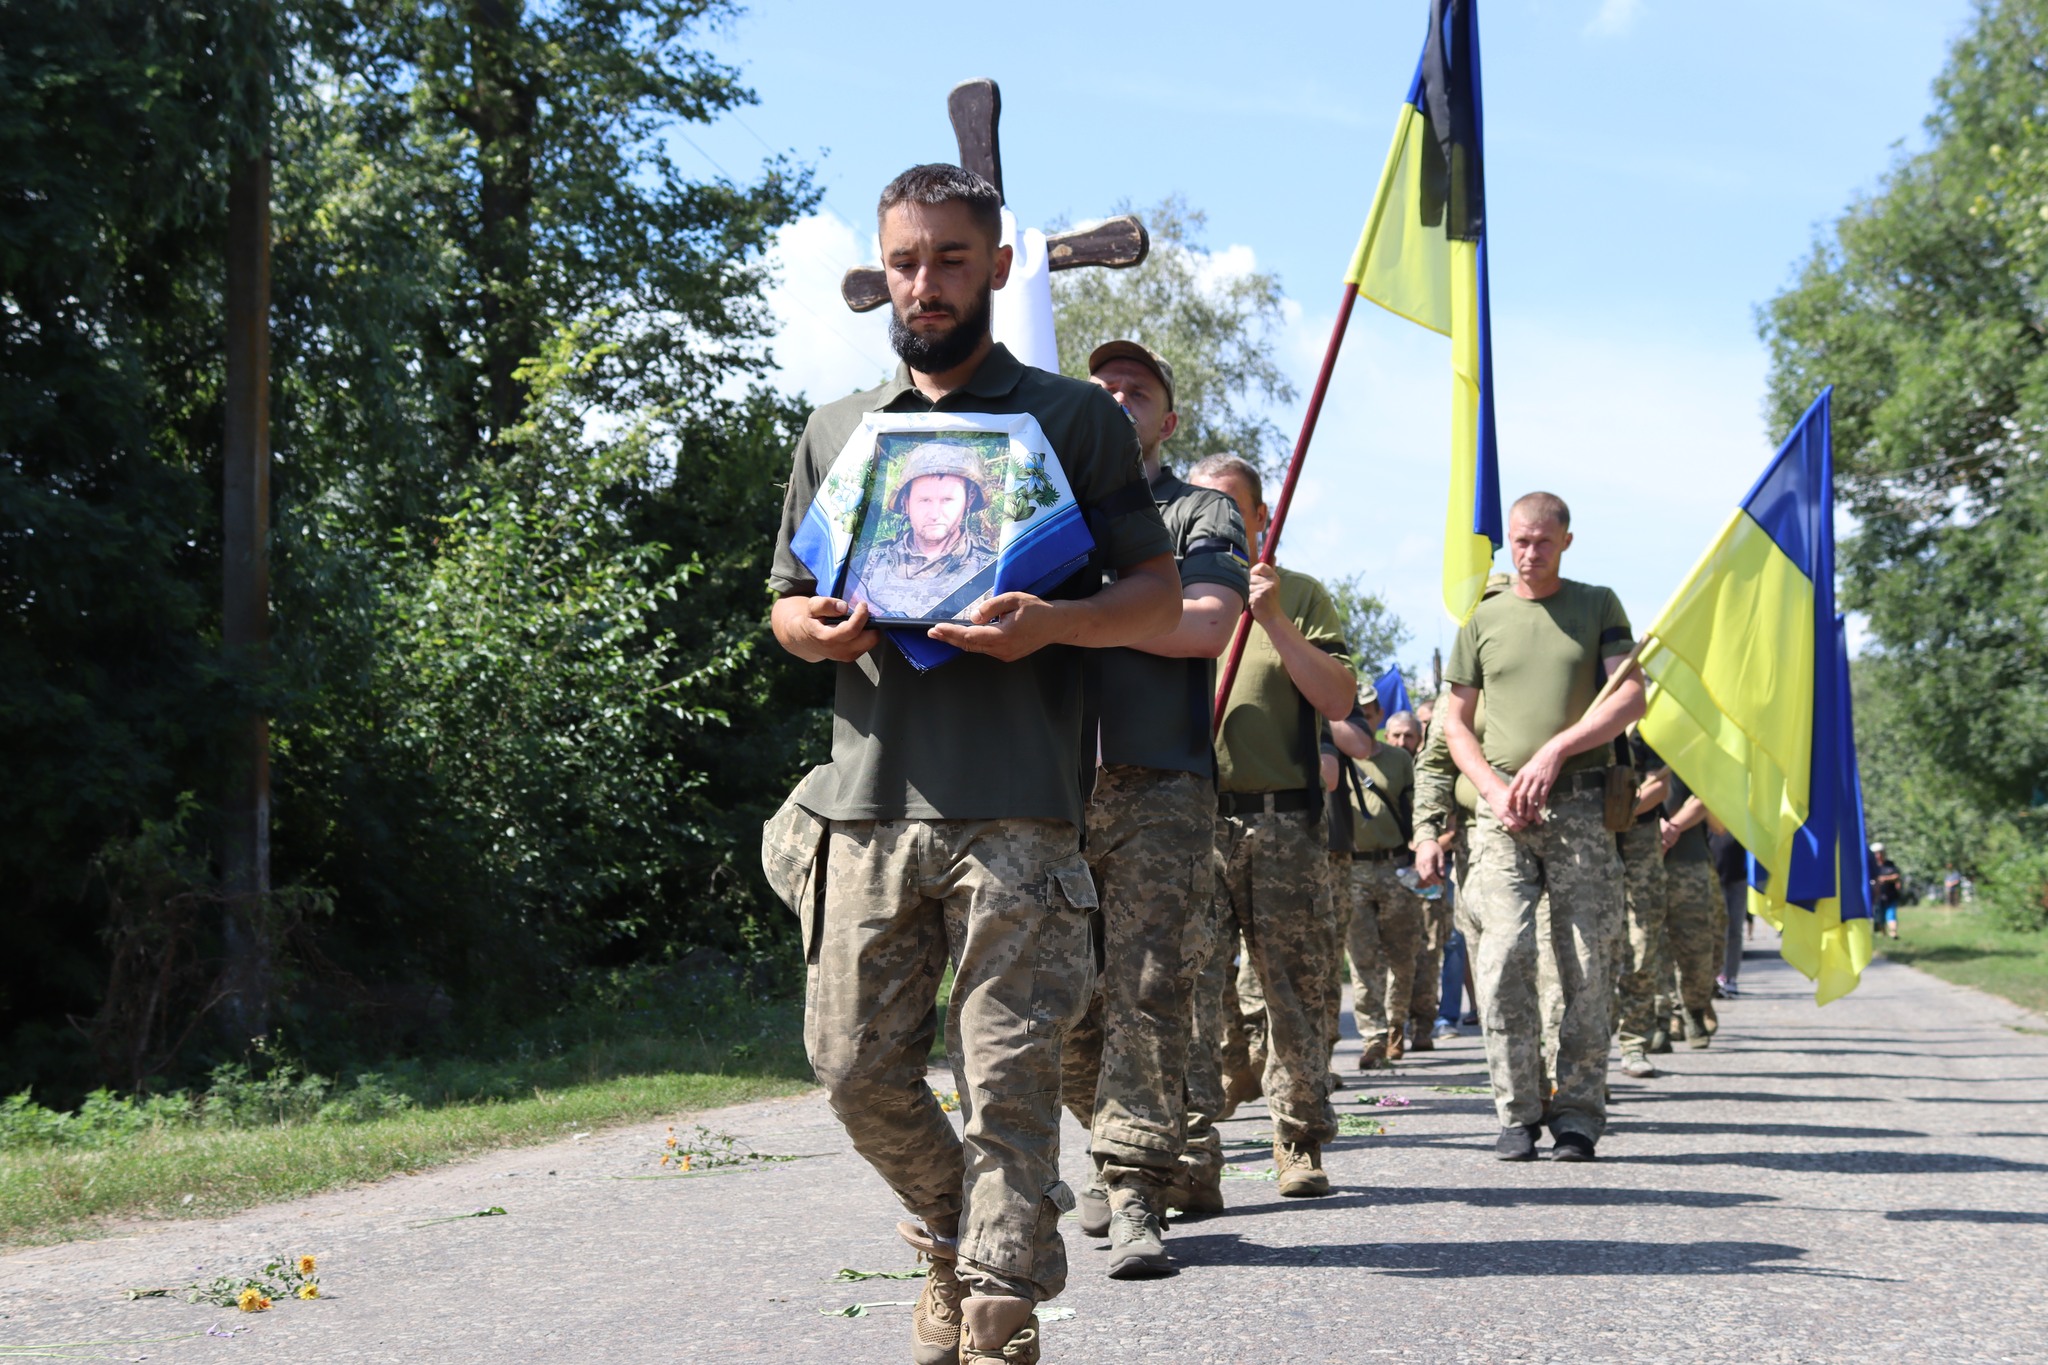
930,531
923,515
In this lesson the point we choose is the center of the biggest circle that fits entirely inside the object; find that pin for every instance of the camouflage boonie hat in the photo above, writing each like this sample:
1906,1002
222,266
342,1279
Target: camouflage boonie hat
943,457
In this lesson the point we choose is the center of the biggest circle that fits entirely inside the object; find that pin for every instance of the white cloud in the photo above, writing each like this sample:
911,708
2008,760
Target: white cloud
822,348
1615,16
1651,442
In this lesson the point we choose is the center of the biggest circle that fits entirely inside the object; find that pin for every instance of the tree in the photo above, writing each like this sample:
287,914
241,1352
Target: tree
1371,628
1923,307
522,712
1214,325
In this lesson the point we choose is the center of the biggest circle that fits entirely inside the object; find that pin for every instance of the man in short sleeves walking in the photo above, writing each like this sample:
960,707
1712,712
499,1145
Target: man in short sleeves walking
1538,655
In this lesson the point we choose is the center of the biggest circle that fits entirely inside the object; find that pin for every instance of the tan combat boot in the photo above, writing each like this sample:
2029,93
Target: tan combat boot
1300,1168
1375,1054
999,1329
1396,1044
1197,1191
935,1321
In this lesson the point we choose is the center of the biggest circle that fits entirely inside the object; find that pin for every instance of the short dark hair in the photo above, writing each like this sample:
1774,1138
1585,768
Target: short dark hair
1231,466
1544,507
940,182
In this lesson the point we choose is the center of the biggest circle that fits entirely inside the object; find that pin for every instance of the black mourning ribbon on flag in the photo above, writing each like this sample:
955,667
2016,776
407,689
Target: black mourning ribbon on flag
1453,177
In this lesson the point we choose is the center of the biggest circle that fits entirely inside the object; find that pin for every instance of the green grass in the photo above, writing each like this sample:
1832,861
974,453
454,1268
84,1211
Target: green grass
1960,946
631,1067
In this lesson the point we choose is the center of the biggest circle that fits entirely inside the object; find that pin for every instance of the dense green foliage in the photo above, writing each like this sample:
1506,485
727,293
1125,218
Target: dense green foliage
1925,307
1371,627
1214,323
523,719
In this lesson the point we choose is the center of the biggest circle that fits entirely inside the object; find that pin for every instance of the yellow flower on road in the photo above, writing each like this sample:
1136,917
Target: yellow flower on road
252,1300
306,1264
309,1290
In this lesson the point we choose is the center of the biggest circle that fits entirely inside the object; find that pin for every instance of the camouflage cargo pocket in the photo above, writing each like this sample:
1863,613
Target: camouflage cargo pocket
793,861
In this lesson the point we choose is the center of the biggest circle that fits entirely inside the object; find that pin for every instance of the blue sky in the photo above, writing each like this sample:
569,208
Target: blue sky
1656,169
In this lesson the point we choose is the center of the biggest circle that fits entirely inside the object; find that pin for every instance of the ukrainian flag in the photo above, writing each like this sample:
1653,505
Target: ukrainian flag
1422,256
1748,701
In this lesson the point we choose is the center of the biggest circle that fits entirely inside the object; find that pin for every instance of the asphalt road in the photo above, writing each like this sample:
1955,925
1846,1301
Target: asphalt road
1861,1182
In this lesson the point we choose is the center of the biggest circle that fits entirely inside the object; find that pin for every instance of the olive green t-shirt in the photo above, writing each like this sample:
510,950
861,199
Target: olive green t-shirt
1442,792
1155,711
1268,742
1539,665
1386,783
975,738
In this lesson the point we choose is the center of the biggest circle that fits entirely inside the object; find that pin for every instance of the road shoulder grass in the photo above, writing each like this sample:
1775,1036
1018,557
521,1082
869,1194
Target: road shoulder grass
58,1190
1963,947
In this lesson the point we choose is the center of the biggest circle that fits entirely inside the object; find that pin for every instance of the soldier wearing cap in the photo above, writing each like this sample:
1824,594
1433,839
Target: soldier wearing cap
1276,883
1538,654
942,547
1150,827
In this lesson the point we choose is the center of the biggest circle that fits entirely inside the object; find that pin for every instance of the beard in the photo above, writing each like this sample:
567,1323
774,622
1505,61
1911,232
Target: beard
940,352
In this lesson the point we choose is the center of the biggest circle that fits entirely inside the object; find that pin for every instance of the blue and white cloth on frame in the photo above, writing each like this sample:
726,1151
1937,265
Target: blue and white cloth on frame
1043,537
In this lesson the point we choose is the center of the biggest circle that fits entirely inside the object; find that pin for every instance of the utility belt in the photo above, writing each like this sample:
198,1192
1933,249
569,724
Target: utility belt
1594,780
1400,857
1266,803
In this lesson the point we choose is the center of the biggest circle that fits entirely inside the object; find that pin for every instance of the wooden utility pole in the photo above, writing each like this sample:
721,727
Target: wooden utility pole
245,573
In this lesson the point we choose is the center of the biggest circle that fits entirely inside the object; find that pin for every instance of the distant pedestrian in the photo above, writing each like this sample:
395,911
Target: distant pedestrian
1952,887
1887,887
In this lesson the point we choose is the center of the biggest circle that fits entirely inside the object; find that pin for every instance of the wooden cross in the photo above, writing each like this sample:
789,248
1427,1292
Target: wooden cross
975,107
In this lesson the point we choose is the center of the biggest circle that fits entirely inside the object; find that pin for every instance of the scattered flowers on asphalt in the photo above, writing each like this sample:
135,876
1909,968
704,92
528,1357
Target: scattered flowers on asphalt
1386,1101
1359,1125
848,1275
706,1150
860,1310
494,1211
282,1277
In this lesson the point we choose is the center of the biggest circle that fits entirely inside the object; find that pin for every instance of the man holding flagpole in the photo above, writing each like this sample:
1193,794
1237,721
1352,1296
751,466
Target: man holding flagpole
1537,656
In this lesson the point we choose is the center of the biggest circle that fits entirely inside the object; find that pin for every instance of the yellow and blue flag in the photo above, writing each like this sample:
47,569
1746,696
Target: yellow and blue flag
1748,701
1422,256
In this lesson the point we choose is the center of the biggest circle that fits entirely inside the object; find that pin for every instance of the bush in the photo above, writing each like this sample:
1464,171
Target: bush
2014,888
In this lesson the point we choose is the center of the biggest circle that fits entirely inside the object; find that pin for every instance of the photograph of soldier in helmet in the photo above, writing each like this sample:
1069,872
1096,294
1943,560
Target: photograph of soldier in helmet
929,552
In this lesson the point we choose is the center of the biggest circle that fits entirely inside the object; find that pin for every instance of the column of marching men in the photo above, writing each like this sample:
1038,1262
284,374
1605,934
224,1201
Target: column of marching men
1155,937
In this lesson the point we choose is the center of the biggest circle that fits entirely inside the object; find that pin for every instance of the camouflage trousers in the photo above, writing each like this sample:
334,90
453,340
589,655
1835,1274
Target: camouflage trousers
1337,924
1210,1033
1429,961
1012,904
1276,884
1383,940
1646,965
1571,857
1696,917
1151,835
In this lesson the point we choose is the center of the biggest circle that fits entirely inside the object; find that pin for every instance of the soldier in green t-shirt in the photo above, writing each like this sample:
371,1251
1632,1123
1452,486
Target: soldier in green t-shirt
1384,928
947,825
1150,827
1538,654
1276,879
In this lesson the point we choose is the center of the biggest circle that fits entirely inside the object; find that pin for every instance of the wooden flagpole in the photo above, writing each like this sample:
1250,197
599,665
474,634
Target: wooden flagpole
1270,542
